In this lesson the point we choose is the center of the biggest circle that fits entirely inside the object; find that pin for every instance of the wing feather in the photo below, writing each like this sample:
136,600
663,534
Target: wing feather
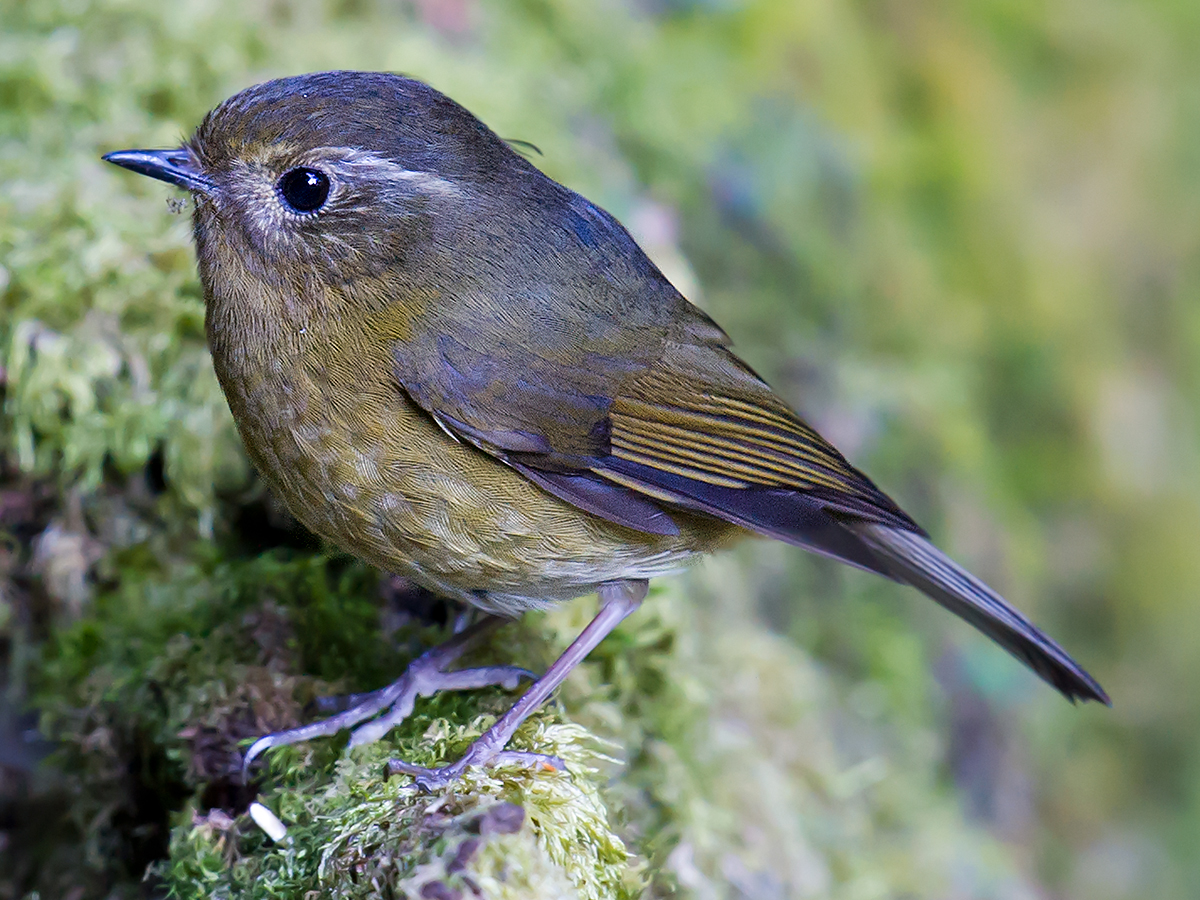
701,414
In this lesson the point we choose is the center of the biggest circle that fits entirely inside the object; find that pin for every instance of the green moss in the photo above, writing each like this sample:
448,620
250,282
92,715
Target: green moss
724,725
175,676
352,832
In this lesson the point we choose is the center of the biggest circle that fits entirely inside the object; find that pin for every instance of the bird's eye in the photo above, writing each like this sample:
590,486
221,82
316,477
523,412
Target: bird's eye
304,190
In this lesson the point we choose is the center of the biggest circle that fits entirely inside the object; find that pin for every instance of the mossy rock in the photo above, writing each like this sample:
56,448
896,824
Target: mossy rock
700,755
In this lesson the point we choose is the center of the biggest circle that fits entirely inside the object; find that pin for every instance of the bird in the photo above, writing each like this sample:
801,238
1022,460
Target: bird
461,371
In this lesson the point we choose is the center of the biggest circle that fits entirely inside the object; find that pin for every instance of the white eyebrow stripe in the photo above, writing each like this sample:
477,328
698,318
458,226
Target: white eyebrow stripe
429,181
359,160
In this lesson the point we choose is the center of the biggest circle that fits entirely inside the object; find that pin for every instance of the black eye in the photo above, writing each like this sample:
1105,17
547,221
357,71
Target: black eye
304,190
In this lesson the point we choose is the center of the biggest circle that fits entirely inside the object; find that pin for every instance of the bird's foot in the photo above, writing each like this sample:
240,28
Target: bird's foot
480,753
425,676
617,600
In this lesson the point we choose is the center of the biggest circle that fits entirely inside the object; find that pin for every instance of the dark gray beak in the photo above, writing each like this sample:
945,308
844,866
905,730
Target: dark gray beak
171,166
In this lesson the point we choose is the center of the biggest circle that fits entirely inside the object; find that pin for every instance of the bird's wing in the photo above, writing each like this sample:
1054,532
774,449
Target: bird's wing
635,430
630,423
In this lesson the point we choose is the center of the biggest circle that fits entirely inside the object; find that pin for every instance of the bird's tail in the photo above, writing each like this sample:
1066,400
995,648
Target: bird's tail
910,558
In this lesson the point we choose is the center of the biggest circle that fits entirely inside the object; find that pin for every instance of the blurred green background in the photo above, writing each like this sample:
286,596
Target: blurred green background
963,238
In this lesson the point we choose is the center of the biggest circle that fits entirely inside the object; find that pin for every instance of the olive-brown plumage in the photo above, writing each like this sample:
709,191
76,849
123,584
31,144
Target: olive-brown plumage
457,369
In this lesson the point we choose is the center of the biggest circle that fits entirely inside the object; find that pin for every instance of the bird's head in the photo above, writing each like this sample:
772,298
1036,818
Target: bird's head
313,190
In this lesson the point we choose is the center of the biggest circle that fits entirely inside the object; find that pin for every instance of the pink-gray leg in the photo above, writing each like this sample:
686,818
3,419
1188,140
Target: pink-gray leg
617,600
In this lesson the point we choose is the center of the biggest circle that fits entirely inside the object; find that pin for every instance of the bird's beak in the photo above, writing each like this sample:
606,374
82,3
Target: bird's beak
171,166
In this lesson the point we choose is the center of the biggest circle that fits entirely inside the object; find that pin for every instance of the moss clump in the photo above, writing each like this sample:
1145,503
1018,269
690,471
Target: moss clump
501,832
153,695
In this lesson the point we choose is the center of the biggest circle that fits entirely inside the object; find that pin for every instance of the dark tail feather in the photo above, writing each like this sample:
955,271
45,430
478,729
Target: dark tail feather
910,558
874,534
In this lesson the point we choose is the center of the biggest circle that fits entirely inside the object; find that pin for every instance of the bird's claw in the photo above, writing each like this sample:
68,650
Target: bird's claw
430,780
389,706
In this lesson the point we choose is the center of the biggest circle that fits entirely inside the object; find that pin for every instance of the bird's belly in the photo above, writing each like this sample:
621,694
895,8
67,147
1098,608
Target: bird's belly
376,476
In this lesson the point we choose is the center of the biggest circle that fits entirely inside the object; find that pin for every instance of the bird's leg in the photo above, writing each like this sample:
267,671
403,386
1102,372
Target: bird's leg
425,676
617,600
